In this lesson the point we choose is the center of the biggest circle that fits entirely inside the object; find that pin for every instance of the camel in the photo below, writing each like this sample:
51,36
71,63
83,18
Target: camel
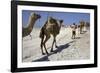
87,25
81,26
32,19
51,27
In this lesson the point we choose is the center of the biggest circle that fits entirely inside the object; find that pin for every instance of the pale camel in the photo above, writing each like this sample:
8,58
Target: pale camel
32,19
51,27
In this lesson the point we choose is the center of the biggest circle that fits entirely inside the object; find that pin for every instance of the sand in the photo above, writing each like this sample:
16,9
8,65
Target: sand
68,48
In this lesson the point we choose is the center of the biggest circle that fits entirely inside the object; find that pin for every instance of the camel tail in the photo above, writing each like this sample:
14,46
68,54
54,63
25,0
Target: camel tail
41,33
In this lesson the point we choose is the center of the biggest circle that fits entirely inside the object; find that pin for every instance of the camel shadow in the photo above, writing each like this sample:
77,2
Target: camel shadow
77,37
62,47
83,32
59,49
44,58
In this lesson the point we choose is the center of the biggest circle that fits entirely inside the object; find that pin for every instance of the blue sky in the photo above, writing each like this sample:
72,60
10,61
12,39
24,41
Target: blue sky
67,17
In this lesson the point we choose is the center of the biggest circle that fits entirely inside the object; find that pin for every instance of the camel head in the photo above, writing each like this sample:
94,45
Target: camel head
35,16
82,22
61,21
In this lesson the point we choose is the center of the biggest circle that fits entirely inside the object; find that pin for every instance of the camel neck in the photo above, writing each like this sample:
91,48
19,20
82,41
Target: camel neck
60,25
32,22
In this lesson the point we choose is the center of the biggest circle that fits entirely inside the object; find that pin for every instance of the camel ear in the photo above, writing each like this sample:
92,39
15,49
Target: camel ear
61,21
80,22
49,19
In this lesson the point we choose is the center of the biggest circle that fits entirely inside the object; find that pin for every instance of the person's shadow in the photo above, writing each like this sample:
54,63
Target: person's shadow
59,49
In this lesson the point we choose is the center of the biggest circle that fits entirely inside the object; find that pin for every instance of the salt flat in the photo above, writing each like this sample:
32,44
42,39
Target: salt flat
68,49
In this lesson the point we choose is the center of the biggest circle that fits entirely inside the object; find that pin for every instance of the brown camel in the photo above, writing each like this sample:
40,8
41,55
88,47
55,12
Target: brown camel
87,25
51,27
81,26
32,19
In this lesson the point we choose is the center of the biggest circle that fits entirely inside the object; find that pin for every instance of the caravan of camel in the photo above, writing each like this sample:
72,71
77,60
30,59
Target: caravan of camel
52,27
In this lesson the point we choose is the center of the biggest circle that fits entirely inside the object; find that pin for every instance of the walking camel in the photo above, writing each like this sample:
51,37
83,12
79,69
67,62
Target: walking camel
81,26
51,27
32,19
87,25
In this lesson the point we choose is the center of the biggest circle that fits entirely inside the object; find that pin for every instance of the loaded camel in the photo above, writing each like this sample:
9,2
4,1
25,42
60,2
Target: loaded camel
51,27
32,19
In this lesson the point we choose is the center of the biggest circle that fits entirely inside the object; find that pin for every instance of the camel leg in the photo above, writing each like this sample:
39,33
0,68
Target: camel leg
52,46
54,41
46,39
42,46
74,34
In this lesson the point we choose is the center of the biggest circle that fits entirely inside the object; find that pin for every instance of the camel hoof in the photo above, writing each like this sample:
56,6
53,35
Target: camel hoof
47,53
43,53
56,46
52,51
